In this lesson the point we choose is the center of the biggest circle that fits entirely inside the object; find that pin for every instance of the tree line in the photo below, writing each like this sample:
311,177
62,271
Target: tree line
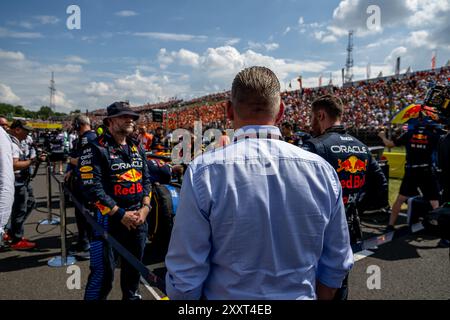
44,113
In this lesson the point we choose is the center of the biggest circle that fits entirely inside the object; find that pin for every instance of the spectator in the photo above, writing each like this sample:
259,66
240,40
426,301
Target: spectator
224,139
6,178
245,232
145,138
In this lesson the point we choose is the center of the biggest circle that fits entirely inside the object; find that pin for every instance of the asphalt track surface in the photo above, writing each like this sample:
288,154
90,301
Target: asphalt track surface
410,267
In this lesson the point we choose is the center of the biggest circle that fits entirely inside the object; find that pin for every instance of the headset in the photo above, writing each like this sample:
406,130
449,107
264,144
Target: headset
76,124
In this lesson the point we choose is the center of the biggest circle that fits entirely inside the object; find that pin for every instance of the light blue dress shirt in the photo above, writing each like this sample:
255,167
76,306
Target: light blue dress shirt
258,219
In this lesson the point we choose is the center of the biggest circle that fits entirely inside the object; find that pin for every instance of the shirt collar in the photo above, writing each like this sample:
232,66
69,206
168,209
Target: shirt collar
257,132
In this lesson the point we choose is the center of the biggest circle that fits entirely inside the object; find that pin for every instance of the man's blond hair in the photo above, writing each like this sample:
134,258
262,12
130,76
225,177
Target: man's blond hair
256,91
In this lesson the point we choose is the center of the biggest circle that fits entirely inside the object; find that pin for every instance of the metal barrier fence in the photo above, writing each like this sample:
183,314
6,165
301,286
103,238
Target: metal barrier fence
63,259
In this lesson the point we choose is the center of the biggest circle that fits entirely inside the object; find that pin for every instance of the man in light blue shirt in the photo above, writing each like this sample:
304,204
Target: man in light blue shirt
259,218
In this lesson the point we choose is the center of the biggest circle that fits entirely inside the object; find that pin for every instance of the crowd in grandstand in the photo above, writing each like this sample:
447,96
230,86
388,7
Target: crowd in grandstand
367,103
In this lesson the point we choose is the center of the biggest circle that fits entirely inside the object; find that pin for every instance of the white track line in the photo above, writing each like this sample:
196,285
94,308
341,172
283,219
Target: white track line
150,289
362,254
155,266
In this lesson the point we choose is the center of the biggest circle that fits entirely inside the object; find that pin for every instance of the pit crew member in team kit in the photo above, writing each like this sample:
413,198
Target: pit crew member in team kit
116,181
352,160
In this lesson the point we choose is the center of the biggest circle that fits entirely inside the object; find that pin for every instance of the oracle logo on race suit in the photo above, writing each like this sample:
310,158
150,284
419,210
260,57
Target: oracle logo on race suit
123,165
348,149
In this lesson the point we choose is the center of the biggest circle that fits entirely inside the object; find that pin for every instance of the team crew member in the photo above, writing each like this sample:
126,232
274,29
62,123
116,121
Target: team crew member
421,143
246,230
82,125
351,159
444,164
116,182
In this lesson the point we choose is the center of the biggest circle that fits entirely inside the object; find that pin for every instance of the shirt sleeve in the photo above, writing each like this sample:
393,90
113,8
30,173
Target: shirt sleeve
6,178
337,256
187,260
15,151
402,139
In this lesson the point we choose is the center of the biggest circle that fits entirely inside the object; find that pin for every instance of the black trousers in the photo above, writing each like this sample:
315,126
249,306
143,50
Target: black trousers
24,203
104,259
84,228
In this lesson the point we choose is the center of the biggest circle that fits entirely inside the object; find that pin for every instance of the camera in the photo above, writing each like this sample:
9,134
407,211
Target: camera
438,97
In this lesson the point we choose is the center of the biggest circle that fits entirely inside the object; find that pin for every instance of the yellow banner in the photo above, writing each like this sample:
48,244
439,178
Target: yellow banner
44,125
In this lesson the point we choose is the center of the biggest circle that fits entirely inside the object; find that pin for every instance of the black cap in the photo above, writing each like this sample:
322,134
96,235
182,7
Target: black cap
20,124
118,109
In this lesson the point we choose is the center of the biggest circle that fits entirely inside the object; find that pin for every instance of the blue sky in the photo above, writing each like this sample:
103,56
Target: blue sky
149,51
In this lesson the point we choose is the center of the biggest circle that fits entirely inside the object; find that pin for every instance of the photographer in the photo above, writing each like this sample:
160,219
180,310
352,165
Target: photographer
23,197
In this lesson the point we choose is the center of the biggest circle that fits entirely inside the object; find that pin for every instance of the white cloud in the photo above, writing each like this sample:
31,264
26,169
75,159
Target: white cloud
418,38
286,31
98,89
63,69
232,41
301,21
11,55
7,95
263,46
75,59
47,19
171,36
22,24
6,33
220,64
183,57
126,13
428,12
397,52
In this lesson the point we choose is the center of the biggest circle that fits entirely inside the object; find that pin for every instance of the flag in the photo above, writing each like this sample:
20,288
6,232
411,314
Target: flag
368,71
397,66
380,75
290,85
330,83
433,60
412,112
320,80
343,76
299,79
408,70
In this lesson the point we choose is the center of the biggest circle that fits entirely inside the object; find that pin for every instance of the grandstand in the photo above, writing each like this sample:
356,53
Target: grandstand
367,103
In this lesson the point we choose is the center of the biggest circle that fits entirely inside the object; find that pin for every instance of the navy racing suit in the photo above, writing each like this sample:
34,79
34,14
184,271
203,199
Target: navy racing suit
114,175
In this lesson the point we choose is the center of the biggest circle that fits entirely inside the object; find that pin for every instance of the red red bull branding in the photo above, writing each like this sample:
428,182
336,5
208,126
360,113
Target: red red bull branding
124,191
352,165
